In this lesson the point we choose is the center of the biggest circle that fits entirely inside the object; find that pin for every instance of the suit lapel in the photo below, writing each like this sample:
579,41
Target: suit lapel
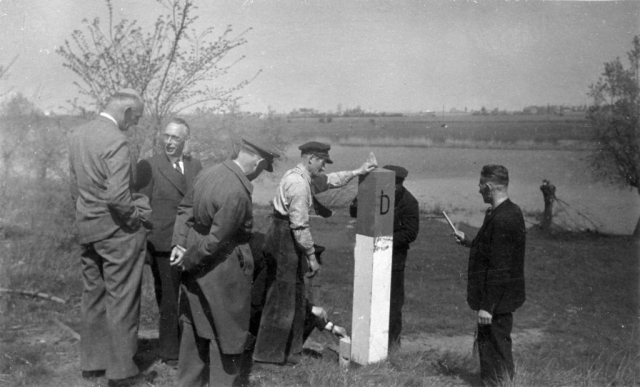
169,172
489,218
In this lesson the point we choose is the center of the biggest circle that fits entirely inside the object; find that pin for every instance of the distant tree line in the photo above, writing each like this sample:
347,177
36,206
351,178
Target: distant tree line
327,116
558,110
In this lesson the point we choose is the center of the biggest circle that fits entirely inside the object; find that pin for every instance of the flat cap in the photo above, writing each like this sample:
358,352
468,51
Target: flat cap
400,172
263,151
318,149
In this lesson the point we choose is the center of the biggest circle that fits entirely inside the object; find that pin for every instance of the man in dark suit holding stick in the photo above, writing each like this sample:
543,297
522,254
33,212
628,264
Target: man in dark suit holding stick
496,275
109,230
165,179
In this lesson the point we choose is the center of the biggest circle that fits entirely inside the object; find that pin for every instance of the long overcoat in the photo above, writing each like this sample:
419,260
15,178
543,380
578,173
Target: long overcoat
214,224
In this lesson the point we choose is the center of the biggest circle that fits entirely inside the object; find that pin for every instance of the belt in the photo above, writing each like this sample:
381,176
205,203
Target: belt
279,216
200,229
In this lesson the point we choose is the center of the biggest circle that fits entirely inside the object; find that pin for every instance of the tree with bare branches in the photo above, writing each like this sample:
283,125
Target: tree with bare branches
615,116
172,66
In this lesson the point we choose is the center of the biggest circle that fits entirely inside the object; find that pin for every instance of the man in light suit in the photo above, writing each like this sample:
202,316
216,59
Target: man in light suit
113,241
211,238
165,178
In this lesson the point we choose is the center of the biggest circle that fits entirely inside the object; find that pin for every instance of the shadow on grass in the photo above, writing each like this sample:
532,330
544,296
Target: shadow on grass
22,365
147,353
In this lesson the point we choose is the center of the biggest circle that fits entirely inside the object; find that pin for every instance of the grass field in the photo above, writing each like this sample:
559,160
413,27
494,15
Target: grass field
579,326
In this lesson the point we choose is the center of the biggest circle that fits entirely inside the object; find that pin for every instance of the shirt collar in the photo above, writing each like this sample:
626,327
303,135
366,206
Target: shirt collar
108,116
304,172
490,209
173,160
239,166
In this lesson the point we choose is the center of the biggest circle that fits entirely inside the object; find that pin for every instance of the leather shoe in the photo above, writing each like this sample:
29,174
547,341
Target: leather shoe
294,359
93,374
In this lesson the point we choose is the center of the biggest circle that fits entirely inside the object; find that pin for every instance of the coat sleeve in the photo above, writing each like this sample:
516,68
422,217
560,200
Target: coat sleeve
227,219
408,225
506,237
296,189
184,220
144,179
353,208
118,161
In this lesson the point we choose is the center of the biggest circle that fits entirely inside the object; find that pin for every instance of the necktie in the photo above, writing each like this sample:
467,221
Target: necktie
177,166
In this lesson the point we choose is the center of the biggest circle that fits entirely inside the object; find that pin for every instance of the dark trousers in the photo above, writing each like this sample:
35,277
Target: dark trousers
166,281
494,348
112,273
201,363
395,310
282,322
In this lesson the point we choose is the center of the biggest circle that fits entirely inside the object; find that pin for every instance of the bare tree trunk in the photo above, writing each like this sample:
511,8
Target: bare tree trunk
549,194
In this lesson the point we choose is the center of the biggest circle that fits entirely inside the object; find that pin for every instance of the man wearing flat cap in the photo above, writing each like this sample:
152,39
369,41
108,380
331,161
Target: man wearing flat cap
406,224
289,252
211,244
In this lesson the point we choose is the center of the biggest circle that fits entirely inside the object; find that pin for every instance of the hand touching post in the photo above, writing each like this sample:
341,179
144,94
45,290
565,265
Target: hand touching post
368,165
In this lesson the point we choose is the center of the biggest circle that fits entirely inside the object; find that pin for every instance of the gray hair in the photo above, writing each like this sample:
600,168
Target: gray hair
180,121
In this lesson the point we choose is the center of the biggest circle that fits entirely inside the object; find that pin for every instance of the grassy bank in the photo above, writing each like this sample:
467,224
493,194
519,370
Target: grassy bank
582,299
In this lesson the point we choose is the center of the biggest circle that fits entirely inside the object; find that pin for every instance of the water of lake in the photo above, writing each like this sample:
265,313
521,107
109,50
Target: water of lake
448,178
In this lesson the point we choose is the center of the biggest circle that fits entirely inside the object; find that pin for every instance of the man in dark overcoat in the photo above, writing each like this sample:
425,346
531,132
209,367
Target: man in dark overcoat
165,179
496,275
211,238
406,225
112,239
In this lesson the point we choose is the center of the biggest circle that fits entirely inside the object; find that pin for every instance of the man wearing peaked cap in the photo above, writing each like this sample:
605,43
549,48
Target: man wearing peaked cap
289,251
264,151
406,224
318,149
211,244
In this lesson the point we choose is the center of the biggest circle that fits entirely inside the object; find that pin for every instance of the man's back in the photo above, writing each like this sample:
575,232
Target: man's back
100,172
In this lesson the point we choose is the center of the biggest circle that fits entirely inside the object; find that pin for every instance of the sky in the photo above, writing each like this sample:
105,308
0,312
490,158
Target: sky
381,55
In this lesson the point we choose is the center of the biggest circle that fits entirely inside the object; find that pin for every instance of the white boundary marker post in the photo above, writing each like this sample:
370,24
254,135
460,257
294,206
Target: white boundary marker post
372,273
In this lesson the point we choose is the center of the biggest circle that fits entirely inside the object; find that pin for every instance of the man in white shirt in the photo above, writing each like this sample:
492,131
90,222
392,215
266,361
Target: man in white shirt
289,253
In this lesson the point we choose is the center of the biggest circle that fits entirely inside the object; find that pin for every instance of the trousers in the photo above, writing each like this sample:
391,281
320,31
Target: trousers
112,275
494,348
201,363
166,281
280,333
